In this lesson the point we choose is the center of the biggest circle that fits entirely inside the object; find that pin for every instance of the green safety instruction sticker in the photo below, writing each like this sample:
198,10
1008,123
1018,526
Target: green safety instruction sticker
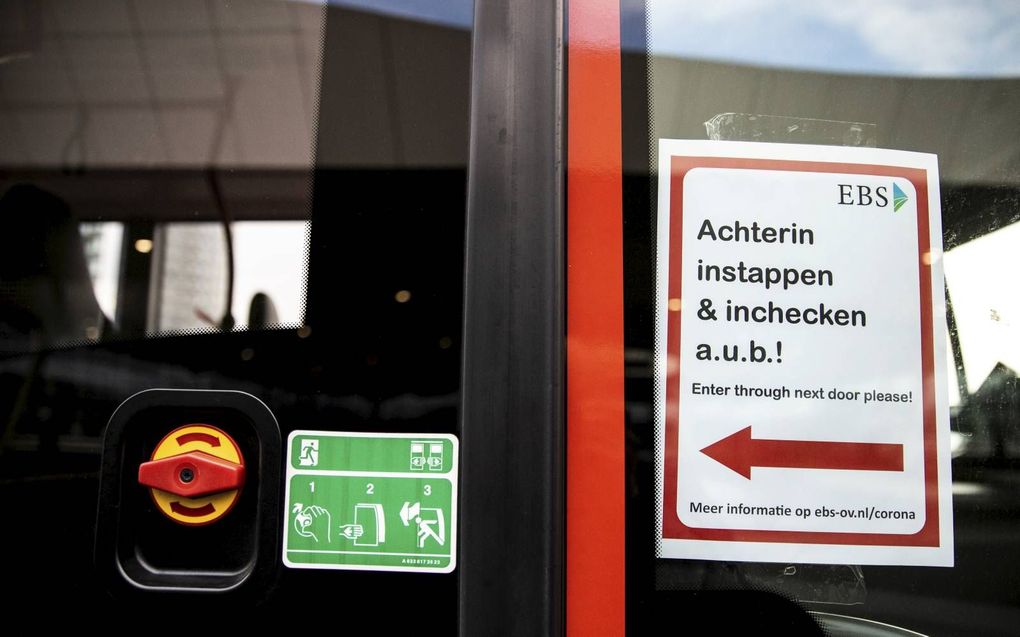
371,501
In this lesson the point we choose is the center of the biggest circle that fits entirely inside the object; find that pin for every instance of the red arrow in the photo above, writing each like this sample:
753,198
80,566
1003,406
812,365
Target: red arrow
192,512
198,436
739,451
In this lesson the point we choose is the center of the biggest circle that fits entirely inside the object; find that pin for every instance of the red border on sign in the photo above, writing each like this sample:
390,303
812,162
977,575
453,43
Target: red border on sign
672,526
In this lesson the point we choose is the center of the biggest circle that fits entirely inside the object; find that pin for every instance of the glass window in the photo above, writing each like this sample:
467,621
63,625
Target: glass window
929,76
264,196
164,121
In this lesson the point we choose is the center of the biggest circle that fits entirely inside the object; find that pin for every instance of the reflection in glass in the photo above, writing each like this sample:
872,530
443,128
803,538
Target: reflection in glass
160,131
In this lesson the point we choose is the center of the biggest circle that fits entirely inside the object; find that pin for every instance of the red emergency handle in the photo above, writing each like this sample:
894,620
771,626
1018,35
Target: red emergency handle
191,475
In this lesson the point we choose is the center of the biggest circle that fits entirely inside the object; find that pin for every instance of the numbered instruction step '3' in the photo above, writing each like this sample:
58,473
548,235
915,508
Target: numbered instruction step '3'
377,502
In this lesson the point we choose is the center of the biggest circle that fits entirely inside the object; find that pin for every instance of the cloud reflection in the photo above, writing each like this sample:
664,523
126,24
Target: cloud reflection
943,38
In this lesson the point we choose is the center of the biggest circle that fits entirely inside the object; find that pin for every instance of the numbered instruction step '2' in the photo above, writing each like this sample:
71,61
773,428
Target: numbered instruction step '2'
377,502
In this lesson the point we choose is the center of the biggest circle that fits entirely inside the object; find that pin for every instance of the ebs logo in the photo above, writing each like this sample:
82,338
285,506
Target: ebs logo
898,197
858,195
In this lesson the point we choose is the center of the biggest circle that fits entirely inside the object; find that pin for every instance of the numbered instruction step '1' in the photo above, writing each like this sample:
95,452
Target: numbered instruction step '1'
378,502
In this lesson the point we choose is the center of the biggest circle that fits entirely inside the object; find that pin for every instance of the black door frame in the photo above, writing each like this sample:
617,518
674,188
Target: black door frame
512,418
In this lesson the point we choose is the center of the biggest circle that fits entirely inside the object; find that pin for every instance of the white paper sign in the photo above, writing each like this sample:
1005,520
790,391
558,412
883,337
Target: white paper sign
801,404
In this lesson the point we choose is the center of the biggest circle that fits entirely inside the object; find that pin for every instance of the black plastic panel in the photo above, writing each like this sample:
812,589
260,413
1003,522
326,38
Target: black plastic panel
138,548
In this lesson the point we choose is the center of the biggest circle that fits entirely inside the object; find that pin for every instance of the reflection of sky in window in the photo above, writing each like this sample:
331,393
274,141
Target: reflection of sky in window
884,37
452,13
269,257
981,275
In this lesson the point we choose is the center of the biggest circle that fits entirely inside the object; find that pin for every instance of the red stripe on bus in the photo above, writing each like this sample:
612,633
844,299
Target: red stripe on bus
595,410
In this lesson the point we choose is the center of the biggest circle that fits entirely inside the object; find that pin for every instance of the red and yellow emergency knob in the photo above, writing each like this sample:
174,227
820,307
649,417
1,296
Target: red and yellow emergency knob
195,474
